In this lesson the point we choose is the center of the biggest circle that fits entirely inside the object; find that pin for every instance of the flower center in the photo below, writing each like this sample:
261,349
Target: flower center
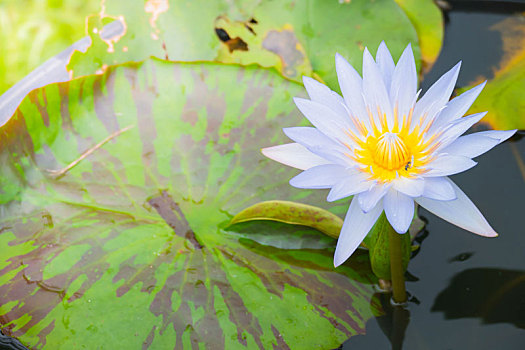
391,152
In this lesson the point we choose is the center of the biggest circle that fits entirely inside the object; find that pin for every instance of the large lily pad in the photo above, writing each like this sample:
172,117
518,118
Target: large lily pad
296,37
116,191
503,95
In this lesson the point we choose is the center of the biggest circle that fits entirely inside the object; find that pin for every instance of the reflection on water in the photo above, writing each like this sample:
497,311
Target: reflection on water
493,295
461,257
392,324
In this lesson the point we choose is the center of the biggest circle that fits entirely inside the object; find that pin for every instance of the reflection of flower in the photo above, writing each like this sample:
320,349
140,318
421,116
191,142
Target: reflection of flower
388,150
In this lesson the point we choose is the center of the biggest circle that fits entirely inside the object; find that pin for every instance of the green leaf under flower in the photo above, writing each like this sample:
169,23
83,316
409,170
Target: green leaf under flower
292,213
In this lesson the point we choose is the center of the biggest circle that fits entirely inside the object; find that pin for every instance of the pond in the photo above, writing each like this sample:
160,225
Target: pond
466,291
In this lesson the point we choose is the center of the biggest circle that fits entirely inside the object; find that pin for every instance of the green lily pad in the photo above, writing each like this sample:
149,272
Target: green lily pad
502,97
295,37
116,191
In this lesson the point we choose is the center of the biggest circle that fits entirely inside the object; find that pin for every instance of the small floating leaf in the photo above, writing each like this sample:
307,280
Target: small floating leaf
292,213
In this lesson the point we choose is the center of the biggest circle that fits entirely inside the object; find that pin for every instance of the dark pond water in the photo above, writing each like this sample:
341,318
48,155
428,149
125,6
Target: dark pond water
468,292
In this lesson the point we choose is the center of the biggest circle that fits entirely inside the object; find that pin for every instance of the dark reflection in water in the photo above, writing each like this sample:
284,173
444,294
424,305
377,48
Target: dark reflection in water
461,257
493,295
392,324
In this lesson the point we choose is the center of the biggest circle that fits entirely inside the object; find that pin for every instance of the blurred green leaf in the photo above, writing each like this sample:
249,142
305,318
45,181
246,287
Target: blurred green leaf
116,193
31,31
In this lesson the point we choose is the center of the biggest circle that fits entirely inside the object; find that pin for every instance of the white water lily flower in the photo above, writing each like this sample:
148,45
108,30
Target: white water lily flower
385,147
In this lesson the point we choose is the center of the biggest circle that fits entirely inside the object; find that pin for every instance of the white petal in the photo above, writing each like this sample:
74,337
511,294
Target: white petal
318,143
351,86
375,92
476,144
322,94
404,83
456,129
308,136
501,135
460,212
385,63
323,118
367,200
411,187
312,139
436,97
439,188
321,176
470,145
457,107
352,184
399,210
446,164
355,228
294,155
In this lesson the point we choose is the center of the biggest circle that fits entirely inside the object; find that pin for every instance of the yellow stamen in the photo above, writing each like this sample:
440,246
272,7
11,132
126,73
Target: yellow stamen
386,152
391,152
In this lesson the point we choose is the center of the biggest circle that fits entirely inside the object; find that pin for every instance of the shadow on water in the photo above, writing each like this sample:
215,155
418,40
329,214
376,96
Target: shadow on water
493,295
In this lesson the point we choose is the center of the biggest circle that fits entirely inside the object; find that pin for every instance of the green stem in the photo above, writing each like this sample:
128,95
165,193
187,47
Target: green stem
396,265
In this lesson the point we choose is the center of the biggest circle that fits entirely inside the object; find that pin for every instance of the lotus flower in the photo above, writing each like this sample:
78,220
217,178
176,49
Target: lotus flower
387,148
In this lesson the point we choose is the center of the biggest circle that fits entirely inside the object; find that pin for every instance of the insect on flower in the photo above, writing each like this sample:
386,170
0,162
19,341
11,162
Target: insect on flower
387,148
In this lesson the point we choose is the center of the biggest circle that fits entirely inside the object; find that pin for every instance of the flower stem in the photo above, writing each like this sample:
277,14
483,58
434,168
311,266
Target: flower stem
396,265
